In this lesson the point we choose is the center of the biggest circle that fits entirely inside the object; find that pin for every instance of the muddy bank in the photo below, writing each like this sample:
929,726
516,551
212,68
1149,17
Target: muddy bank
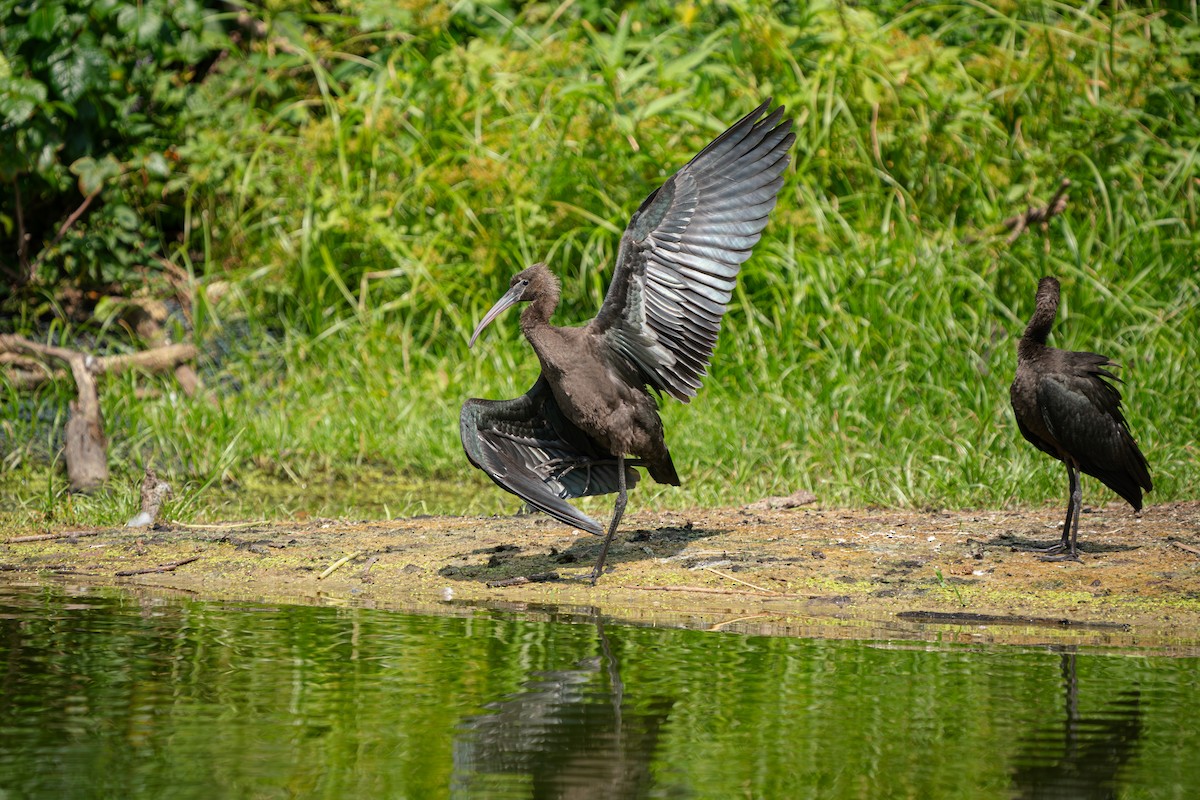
957,576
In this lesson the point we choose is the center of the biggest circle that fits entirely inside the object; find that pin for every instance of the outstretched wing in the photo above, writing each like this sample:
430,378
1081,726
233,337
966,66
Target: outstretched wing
1082,410
528,447
680,255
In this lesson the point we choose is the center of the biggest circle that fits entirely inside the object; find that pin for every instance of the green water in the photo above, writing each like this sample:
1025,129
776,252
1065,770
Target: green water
113,695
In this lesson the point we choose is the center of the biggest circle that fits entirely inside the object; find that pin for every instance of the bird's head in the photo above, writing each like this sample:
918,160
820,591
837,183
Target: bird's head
526,285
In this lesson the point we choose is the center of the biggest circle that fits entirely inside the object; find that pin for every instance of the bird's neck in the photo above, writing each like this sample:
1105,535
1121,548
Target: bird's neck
537,313
1038,329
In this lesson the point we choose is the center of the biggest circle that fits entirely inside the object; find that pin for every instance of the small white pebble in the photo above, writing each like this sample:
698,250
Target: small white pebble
447,593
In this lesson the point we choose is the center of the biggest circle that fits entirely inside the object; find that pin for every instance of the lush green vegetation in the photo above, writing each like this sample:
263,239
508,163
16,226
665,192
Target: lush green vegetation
357,185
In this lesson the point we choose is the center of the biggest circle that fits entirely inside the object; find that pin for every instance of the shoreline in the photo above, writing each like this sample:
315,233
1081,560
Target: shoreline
941,576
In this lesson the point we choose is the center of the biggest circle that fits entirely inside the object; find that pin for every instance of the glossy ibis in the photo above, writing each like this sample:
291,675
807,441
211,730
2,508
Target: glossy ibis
590,418
1066,406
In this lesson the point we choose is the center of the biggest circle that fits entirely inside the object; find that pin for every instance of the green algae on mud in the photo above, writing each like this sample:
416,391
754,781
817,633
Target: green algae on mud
823,572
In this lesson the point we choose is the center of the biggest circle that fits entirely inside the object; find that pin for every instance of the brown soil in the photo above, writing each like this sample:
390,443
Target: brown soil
952,576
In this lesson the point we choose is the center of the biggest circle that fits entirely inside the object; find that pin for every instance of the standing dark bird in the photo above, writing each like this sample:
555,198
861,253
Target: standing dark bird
1066,406
571,433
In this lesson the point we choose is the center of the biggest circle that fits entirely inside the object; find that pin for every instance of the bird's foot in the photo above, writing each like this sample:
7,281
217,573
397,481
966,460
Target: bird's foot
557,467
1070,555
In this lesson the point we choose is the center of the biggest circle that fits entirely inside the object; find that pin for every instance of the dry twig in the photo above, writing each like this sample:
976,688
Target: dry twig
1033,216
540,577
125,573
709,590
739,580
365,576
339,563
45,537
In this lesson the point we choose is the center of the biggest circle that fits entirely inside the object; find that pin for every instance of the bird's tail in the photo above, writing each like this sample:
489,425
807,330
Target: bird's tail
663,469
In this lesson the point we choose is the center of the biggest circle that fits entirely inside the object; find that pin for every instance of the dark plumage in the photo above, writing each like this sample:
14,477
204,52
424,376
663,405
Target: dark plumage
678,260
1066,406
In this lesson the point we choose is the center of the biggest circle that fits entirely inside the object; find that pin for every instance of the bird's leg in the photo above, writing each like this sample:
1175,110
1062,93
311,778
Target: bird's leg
618,510
1071,526
1066,528
558,468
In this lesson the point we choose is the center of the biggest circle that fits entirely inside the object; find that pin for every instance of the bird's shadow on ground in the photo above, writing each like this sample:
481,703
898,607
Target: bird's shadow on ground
507,561
1039,546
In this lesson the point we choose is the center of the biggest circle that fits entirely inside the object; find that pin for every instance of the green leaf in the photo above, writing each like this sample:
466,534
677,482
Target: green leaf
20,98
149,26
94,172
82,69
45,23
125,217
157,166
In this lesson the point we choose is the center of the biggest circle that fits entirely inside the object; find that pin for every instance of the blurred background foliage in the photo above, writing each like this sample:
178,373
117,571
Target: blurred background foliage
331,194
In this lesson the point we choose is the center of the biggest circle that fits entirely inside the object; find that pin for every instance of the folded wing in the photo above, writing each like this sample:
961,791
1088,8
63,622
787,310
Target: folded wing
1083,412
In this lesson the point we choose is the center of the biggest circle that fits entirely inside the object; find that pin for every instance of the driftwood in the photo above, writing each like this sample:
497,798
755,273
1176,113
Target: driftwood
520,580
86,447
86,450
29,373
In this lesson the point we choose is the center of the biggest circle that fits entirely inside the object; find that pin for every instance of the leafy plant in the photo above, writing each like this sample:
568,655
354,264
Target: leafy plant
93,107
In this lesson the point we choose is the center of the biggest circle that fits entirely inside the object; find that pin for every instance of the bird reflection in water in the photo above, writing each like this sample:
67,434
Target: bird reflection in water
1082,759
566,733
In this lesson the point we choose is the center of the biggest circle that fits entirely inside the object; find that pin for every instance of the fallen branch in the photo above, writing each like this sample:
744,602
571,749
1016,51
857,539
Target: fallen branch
45,537
335,566
1194,551
125,573
27,373
86,449
1033,216
540,577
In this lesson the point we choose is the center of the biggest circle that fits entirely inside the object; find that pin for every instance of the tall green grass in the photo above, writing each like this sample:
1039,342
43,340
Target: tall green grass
363,193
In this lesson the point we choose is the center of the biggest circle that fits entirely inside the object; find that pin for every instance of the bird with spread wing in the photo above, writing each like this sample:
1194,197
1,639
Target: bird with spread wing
591,418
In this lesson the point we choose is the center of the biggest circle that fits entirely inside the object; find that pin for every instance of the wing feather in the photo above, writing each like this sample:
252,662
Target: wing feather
529,448
1082,411
683,248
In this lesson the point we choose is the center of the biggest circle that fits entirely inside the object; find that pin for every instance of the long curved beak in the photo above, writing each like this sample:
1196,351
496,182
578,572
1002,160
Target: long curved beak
510,298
